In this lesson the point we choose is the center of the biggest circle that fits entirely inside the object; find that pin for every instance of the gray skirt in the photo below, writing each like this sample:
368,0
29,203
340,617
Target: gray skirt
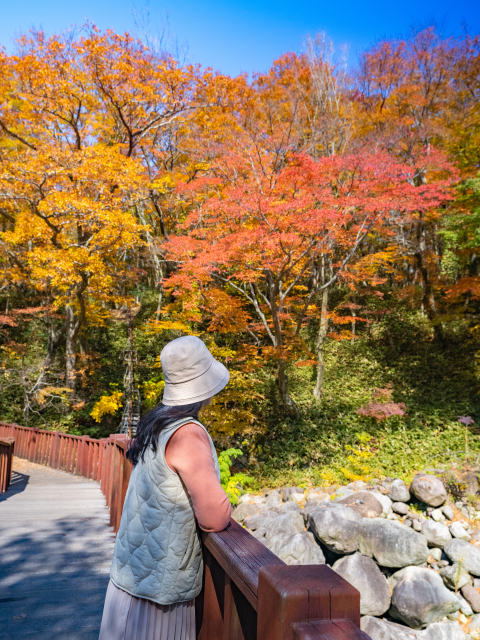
127,617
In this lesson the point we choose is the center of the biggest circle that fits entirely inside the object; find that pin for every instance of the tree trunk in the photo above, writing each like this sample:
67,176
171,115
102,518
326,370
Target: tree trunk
322,332
55,337
282,383
282,379
70,346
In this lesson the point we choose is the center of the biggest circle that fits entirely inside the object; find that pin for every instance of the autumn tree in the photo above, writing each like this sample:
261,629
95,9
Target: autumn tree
269,243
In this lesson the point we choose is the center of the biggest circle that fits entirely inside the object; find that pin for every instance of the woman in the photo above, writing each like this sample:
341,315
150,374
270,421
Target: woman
157,565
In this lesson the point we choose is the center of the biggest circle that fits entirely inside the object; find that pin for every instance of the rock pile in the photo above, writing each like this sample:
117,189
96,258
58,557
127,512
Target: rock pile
411,553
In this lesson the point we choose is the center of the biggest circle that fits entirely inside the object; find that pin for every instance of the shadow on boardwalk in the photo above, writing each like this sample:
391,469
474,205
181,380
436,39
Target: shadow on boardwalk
55,553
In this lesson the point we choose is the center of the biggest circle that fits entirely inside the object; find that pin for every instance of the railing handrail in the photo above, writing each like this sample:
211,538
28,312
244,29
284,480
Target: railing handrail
248,593
241,556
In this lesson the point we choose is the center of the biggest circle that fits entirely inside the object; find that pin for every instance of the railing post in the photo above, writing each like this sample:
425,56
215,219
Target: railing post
55,450
297,593
6,456
32,444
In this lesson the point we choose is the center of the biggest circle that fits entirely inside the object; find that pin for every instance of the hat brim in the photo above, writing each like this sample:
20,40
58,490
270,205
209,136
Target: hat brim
202,388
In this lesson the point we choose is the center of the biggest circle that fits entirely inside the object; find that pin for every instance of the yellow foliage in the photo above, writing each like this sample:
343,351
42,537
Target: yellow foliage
152,391
46,392
106,405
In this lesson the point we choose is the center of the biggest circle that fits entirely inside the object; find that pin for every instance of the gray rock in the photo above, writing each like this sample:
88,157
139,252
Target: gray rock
287,492
253,498
337,526
436,554
437,515
436,533
398,491
364,575
290,507
256,521
296,497
420,598
443,631
391,544
475,622
417,525
344,493
465,553
300,548
465,608
274,499
245,510
428,489
472,596
455,577
407,523
285,524
358,485
400,507
378,629
363,503
458,531
385,500
448,512
319,496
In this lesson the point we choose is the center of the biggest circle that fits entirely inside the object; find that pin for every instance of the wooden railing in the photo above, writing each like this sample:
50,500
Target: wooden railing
7,446
249,593
101,460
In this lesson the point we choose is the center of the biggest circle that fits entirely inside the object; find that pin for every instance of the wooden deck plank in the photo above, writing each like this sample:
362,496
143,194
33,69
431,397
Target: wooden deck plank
56,547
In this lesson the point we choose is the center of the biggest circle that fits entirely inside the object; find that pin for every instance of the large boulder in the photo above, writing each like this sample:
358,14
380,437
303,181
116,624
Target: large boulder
319,496
363,503
337,526
436,533
455,577
288,491
391,544
428,489
378,629
300,548
419,597
465,553
256,521
458,531
398,491
443,631
384,500
364,575
274,500
285,524
290,506
245,510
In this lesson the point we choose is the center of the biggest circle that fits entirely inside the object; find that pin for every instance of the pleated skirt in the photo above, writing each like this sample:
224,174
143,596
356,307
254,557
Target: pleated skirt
126,617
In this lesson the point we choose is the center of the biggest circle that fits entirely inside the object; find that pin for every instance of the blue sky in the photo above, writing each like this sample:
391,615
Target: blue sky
248,35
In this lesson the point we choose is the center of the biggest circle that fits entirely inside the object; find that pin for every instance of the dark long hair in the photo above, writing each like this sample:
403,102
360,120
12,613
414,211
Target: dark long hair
153,423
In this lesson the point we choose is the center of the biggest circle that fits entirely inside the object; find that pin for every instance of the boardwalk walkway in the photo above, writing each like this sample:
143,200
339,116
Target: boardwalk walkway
55,553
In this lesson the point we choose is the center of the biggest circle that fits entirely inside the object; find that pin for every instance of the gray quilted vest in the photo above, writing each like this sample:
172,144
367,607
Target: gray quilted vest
158,553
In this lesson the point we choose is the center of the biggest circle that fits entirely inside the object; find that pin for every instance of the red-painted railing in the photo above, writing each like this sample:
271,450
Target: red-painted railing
7,446
101,460
248,593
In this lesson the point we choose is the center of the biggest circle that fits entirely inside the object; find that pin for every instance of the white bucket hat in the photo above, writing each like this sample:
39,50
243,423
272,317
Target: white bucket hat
191,372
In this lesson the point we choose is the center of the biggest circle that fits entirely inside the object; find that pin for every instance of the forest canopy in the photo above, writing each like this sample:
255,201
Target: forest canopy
298,219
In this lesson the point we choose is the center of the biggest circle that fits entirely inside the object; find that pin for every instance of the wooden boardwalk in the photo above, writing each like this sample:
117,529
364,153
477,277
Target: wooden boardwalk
55,552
